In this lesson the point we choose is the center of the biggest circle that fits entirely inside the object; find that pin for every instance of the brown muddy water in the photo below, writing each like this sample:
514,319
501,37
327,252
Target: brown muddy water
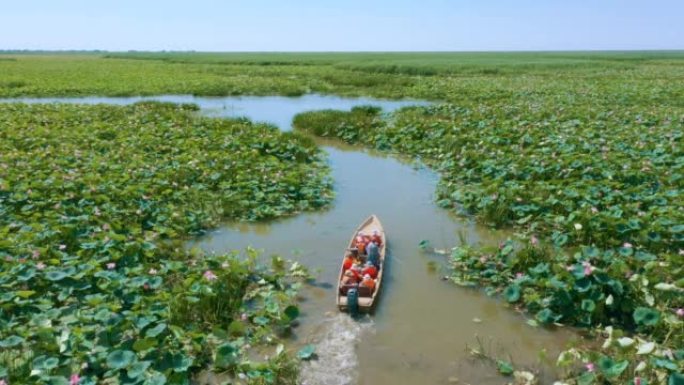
423,326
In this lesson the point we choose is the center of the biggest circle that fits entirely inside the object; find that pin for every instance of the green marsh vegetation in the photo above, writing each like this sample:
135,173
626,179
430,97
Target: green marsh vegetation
581,153
596,197
96,284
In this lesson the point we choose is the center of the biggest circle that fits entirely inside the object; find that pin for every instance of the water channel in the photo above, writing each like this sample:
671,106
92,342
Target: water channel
423,325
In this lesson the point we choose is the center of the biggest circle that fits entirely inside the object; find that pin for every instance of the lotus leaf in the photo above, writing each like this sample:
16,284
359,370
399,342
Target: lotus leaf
120,359
226,356
512,293
646,316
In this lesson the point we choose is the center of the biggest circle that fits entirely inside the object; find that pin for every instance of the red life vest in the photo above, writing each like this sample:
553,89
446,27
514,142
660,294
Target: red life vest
370,270
348,262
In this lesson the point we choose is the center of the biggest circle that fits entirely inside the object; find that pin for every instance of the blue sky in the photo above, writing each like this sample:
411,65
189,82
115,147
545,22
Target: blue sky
342,25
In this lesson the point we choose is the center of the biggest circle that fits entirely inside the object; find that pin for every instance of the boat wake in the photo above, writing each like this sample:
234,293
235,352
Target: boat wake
337,360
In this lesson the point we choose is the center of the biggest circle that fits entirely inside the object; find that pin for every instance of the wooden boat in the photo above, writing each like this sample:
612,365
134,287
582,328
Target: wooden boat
366,300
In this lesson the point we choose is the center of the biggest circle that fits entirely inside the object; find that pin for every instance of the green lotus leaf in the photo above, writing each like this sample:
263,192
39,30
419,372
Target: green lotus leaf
675,379
626,251
155,331
138,369
590,252
26,275
644,256
541,269
664,363
180,362
142,321
155,379
11,341
646,316
57,380
583,285
504,367
512,293
546,316
292,312
679,354
226,356
44,363
236,328
588,305
587,378
55,275
616,369
120,359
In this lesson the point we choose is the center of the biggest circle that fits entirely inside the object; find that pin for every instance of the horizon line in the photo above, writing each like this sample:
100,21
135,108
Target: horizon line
12,50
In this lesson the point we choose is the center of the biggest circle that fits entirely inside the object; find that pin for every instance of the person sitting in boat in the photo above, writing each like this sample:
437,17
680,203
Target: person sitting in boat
348,262
373,252
360,243
370,270
368,282
350,278
376,238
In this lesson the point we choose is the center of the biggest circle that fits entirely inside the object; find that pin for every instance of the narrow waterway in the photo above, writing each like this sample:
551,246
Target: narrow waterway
423,325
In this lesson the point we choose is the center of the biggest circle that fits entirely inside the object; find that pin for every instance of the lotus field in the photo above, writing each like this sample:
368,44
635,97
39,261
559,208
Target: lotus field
581,154
96,286
597,202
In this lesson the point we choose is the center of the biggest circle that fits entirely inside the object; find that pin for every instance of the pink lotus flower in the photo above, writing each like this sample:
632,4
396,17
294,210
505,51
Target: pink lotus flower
40,266
209,275
680,312
588,268
75,379
534,241
111,266
627,245
62,247
153,271
590,367
3,382
519,275
243,317
146,286
637,380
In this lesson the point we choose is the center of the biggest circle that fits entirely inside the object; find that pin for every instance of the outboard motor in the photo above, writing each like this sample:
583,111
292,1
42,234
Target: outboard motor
353,301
